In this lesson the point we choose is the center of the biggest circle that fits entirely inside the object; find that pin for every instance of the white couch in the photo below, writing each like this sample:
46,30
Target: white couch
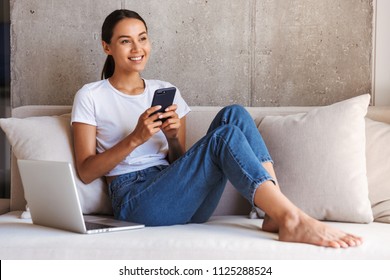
229,234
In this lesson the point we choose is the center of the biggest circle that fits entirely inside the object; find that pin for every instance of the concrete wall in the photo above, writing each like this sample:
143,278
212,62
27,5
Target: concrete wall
218,52
4,102
382,54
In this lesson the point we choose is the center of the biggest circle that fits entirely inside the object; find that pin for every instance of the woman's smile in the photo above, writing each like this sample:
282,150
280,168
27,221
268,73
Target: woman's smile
136,58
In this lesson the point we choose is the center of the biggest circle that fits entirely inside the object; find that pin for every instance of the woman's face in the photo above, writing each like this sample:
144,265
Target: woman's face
130,46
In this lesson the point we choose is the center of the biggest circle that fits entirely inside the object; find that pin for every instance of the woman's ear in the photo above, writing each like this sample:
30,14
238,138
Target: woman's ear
106,48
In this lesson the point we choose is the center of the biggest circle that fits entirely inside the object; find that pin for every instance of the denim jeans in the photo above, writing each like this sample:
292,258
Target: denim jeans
188,190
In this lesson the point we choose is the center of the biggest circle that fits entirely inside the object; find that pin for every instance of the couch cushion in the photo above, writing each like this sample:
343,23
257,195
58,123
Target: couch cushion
221,238
320,159
378,168
50,138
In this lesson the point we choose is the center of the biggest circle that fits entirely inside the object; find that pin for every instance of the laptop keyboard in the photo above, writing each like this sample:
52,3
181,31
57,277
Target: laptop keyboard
91,226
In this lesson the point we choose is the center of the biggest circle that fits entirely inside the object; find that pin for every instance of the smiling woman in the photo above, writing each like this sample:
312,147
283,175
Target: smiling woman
123,38
151,179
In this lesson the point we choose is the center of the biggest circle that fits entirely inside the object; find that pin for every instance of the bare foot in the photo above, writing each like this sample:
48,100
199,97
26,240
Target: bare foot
305,229
269,225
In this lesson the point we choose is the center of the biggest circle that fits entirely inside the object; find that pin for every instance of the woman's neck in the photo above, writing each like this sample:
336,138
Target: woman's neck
131,84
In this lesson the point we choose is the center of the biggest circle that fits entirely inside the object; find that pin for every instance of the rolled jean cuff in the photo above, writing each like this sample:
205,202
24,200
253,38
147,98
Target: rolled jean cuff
256,185
266,159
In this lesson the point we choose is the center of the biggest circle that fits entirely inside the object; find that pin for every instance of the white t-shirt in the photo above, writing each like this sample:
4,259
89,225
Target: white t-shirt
116,114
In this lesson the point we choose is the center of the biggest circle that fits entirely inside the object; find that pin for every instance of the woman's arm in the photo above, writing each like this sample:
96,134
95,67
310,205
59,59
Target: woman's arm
91,165
175,132
177,145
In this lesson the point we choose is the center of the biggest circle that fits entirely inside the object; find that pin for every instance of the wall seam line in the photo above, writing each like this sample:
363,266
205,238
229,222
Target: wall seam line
373,51
252,54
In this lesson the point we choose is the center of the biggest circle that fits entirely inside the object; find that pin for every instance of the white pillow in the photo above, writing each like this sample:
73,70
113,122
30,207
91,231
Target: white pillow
320,159
378,168
50,138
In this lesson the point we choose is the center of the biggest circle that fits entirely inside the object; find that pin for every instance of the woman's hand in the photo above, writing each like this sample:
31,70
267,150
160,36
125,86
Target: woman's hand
174,130
171,126
147,126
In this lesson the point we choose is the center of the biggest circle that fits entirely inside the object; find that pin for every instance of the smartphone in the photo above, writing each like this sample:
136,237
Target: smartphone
163,97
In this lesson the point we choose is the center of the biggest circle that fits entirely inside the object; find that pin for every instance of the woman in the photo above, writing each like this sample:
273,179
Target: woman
151,180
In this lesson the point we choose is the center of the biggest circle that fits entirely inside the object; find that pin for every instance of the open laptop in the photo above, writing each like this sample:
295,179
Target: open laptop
51,194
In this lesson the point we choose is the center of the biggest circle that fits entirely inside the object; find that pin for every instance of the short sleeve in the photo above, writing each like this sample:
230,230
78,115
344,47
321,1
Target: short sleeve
83,110
182,107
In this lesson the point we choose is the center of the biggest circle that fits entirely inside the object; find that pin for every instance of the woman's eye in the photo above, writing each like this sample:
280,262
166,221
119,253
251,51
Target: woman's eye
143,39
125,42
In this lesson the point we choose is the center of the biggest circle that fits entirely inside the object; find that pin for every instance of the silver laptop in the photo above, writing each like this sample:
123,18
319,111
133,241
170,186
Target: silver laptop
51,194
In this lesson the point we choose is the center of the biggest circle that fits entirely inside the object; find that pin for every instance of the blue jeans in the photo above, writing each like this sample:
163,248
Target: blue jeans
188,190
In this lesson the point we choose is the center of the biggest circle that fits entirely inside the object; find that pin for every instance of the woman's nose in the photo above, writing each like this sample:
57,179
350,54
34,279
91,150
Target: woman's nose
135,46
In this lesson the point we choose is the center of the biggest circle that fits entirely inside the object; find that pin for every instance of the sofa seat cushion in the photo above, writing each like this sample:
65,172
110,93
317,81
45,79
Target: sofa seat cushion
222,237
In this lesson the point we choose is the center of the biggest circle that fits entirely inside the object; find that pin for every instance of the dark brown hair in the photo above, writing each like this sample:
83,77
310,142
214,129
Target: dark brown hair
108,30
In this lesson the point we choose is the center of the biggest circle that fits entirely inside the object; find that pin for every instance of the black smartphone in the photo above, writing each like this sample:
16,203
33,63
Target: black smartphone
163,97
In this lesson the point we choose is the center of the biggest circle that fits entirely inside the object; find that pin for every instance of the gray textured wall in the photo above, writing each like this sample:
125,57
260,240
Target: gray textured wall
218,52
